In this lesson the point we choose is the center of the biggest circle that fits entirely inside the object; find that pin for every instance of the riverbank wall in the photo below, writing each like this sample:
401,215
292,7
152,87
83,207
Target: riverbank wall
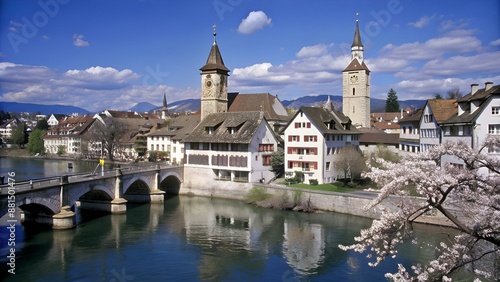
346,203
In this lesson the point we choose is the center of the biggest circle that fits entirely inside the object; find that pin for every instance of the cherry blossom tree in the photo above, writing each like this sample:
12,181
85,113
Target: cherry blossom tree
467,195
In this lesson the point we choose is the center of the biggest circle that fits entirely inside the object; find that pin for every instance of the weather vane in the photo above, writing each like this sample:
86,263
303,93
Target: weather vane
215,34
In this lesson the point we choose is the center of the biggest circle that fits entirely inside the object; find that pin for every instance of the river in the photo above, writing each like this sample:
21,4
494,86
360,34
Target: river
203,239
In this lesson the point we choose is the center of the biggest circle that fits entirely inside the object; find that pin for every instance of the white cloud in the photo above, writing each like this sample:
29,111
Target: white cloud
312,51
432,48
423,21
78,41
459,65
254,21
495,42
45,37
94,88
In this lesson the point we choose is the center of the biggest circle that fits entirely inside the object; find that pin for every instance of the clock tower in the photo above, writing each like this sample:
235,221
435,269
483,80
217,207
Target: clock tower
356,85
214,76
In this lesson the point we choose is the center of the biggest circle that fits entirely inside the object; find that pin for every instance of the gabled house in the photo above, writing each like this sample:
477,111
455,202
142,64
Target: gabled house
234,147
7,127
274,111
409,135
478,115
434,113
54,119
169,139
68,135
313,138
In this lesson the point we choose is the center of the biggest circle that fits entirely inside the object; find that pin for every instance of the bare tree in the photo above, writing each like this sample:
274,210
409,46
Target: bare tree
350,160
109,132
454,93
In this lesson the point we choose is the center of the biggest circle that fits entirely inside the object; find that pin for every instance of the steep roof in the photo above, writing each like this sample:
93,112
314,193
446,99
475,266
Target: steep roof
320,117
413,116
269,104
480,96
443,109
179,128
214,61
70,127
247,123
357,37
356,65
373,136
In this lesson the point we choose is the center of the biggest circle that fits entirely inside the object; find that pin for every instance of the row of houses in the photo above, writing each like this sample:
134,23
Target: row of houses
470,118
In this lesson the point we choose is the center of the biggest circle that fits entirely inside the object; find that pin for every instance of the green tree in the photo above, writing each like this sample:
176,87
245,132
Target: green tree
61,149
42,124
278,162
392,104
19,135
35,142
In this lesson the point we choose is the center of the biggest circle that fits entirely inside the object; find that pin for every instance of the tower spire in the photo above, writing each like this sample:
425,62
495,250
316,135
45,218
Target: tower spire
164,108
357,45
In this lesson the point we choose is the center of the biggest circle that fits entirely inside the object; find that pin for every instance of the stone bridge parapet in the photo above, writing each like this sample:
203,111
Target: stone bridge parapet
55,198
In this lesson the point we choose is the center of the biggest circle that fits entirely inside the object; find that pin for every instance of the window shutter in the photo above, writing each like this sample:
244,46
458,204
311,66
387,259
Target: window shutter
296,125
289,138
315,138
308,125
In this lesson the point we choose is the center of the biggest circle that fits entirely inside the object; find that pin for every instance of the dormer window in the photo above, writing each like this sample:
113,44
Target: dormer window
209,130
232,130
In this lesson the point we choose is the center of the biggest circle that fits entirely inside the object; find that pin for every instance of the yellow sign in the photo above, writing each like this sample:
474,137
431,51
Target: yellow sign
101,161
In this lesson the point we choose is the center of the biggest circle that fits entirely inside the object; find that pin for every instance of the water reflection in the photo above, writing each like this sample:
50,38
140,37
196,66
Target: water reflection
33,168
203,239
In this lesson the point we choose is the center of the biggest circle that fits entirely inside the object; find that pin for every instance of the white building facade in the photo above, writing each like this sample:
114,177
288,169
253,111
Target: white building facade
313,138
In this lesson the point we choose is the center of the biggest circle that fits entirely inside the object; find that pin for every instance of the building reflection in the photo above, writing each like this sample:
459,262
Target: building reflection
304,245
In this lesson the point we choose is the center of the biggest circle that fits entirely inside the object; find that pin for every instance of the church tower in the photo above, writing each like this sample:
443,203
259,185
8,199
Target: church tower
214,83
356,85
164,108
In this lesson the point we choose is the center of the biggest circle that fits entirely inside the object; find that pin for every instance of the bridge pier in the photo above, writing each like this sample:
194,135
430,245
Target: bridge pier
118,206
65,219
157,196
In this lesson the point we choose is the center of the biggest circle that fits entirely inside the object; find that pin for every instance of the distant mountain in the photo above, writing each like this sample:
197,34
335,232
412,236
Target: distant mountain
376,105
143,107
43,109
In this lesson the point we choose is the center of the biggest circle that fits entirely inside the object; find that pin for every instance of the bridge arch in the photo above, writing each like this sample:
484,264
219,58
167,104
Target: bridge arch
93,192
137,181
170,183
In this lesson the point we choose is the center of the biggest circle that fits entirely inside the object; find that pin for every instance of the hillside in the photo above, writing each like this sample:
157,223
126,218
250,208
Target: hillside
192,105
43,109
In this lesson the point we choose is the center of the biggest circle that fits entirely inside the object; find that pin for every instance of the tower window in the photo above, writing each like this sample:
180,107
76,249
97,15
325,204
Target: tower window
353,91
353,109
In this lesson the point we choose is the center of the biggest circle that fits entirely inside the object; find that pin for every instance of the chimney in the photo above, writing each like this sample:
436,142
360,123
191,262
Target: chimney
488,85
473,88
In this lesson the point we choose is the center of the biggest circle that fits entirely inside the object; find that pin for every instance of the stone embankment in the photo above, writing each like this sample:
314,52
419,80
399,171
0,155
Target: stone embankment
347,203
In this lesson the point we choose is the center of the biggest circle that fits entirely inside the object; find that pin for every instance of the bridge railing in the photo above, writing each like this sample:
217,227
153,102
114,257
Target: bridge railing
24,185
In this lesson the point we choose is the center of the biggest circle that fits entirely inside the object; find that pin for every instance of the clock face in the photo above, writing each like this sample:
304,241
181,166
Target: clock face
354,78
208,83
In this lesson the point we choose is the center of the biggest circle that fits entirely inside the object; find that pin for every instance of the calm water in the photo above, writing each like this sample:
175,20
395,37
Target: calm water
194,239
202,239
33,168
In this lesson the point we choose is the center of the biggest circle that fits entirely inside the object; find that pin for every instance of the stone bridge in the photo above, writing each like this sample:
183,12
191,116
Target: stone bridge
54,200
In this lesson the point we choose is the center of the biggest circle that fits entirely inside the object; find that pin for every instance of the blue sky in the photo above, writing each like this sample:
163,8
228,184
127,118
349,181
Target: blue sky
111,54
